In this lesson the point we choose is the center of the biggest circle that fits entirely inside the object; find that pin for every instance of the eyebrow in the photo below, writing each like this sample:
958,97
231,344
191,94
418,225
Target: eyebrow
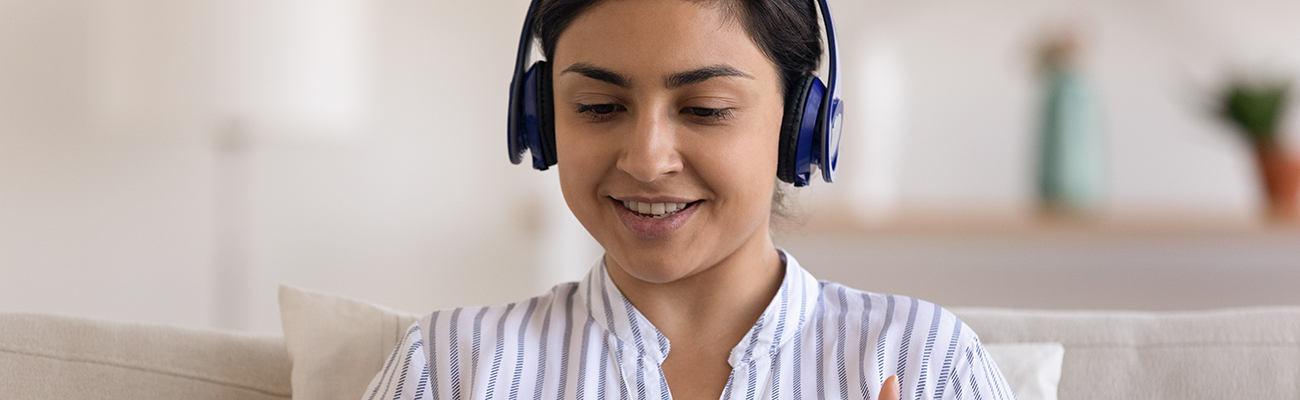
703,74
672,82
598,73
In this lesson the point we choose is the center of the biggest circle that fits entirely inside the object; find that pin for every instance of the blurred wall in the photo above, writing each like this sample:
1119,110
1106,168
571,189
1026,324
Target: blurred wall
172,162
93,223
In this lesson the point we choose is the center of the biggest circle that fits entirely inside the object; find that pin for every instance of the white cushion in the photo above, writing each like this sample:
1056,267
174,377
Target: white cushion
337,344
1032,369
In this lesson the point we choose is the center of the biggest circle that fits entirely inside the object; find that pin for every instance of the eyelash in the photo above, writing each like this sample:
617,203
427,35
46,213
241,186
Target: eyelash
604,112
711,114
599,112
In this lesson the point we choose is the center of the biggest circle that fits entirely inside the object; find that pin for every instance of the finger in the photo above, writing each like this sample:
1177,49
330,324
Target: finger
889,389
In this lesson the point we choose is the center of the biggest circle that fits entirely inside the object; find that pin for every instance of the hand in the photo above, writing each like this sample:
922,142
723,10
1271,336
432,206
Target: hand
889,389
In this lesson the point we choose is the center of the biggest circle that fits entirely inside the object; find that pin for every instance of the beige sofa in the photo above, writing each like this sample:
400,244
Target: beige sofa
1237,353
51,357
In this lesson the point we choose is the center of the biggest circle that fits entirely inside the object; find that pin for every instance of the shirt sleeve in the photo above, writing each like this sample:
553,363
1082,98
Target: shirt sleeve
406,373
976,376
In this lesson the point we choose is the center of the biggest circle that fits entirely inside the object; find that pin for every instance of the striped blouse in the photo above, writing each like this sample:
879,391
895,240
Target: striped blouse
584,340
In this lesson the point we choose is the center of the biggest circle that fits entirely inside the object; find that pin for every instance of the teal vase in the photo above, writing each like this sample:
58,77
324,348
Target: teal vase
1071,176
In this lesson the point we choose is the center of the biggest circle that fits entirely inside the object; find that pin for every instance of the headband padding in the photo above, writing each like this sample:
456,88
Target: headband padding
546,112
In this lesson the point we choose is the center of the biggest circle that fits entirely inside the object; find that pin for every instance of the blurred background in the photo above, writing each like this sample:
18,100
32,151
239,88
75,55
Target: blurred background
173,162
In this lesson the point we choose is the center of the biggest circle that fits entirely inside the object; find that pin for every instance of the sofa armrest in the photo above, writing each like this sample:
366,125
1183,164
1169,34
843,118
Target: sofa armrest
44,356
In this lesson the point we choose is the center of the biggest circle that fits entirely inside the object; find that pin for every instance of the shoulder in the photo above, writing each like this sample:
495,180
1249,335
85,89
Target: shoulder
925,345
893,316
841,298
454,344
492,323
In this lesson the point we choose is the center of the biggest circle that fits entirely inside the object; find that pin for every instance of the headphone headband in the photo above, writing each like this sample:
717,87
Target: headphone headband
832,112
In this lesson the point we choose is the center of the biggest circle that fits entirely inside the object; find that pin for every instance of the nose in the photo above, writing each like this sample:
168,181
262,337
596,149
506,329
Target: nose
650,151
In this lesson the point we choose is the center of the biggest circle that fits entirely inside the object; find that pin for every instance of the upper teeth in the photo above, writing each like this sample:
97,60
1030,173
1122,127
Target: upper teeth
656,209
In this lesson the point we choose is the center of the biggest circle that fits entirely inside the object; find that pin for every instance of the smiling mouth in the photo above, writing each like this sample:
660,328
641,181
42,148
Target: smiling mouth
656,210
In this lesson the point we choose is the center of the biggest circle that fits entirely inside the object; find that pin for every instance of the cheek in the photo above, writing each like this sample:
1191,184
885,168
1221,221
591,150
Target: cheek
742,167
581,160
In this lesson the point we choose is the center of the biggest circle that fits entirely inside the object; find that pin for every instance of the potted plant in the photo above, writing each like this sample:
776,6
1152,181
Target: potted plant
1257,108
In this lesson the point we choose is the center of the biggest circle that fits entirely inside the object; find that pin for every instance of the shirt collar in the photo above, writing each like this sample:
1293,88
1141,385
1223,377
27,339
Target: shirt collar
614,313
785,316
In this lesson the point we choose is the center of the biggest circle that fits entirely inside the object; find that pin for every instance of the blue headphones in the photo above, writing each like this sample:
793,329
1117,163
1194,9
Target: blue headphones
810,128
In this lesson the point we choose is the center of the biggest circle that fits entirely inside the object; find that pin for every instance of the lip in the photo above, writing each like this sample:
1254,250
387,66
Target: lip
659,199
653,228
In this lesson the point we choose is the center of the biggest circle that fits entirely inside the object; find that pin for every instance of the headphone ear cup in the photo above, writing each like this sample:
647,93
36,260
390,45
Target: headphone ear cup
792,130
546,112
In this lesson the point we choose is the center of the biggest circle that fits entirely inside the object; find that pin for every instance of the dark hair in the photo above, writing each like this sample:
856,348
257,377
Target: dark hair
786,31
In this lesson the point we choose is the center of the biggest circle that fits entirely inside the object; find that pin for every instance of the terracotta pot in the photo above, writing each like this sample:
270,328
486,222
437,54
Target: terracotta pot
1280,173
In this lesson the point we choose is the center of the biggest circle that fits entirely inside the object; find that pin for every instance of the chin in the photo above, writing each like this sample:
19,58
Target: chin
662,266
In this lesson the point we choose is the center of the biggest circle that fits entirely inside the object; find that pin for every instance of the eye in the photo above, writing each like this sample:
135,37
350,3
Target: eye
707,113
599,112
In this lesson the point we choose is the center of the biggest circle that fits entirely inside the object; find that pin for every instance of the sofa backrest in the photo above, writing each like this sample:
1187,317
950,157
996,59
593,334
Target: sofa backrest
53,357
1250,353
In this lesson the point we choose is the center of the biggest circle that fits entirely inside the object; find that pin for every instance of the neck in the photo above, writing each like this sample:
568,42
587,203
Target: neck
718,304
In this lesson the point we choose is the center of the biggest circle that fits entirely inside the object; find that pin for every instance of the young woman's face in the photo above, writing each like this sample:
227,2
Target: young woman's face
661,105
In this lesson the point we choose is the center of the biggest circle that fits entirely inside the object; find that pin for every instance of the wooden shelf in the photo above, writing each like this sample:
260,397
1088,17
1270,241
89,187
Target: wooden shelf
842,221
1151,261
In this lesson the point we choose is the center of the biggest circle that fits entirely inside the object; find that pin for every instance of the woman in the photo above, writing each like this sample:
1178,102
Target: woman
667,123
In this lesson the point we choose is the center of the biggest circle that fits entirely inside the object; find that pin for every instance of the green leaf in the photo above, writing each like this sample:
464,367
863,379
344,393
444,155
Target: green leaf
1256,108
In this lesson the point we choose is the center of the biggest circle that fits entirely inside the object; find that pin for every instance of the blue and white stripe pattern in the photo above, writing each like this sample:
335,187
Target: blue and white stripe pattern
584,340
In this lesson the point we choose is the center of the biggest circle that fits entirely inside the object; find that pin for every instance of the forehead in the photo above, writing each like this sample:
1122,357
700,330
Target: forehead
653,38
